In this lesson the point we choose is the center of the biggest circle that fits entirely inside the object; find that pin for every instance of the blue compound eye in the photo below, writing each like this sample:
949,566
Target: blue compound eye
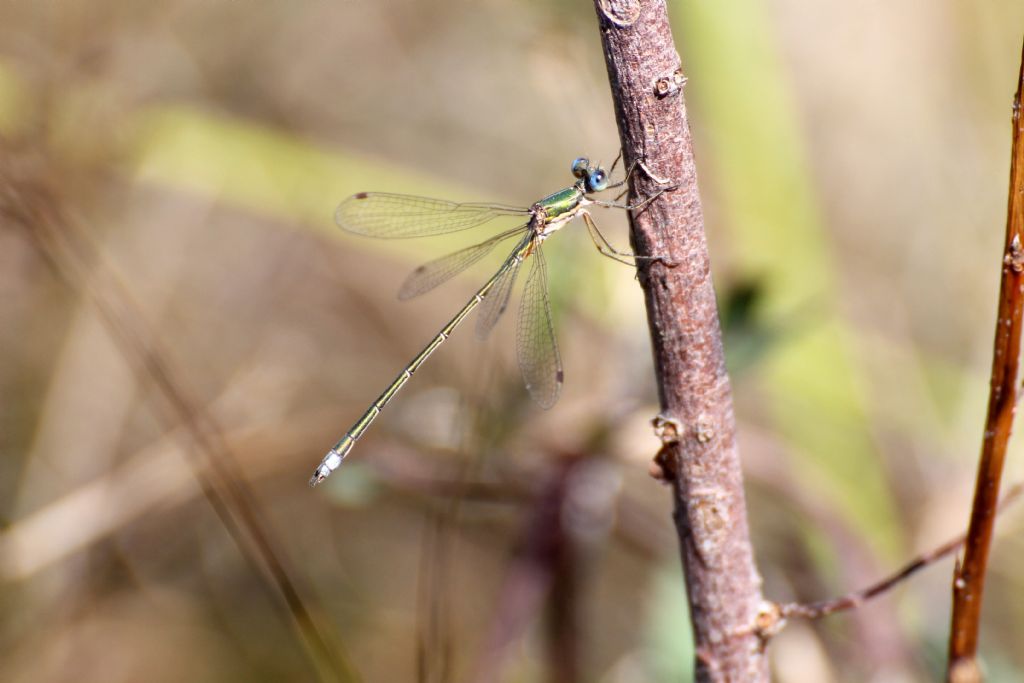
597,180
581,167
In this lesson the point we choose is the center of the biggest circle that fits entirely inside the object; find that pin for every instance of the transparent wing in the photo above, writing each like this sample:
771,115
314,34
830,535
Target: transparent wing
440,270
535,338
496,301
395,216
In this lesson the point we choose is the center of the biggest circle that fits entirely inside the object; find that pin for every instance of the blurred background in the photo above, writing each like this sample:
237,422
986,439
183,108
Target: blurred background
183,333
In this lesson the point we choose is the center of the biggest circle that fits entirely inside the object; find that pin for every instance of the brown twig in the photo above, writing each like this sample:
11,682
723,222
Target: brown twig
536,572
816,610
700,458
969,576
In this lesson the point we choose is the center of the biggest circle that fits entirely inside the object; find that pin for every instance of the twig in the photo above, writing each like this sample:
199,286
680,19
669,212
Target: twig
537,570
969,576
701,459
816,610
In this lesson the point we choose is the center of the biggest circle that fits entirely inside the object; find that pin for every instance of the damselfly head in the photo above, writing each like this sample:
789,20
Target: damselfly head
597,180
581,167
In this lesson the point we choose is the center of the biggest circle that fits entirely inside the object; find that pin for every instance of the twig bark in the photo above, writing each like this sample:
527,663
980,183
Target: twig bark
700,457
969,576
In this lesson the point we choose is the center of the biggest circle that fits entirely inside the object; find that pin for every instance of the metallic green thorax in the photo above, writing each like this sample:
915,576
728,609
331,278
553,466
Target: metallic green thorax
561,202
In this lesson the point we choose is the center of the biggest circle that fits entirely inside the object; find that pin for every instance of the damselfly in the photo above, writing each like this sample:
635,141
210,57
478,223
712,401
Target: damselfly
395,216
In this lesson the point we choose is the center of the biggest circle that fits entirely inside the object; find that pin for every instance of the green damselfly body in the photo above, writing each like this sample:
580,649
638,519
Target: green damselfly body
395,216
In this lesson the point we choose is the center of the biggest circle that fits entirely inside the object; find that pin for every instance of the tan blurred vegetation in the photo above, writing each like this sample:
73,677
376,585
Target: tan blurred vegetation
854,165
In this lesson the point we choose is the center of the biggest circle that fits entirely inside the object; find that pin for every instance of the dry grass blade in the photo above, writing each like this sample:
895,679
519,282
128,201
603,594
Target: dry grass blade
28,205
